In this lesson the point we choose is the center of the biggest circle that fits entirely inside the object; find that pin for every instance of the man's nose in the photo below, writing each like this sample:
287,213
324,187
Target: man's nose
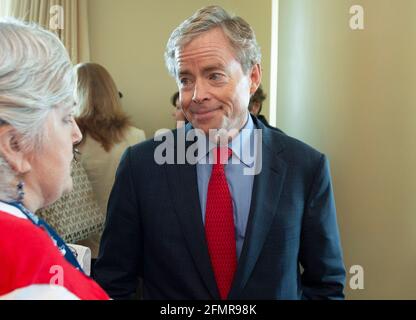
201,92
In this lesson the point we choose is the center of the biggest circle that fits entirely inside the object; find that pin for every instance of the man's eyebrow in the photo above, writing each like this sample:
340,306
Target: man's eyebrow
215,67
207,69
184,73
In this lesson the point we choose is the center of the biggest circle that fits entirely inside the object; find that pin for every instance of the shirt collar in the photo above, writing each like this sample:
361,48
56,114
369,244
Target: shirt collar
242,142
9,209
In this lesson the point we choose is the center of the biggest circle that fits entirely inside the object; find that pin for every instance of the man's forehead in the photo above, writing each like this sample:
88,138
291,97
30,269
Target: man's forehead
203,63
212,35
214,39
205,56
204,53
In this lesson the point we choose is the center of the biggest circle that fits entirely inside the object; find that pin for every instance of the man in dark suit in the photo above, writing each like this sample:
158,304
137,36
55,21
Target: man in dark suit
220,230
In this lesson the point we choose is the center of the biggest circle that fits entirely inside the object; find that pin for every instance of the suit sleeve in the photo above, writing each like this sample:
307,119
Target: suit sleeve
320,252
117,268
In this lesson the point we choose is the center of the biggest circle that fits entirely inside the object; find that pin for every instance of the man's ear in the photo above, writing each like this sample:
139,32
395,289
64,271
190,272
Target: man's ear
255,77
11,150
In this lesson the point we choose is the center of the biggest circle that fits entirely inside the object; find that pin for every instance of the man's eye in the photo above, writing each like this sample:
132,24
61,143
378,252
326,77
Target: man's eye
216,76
184,81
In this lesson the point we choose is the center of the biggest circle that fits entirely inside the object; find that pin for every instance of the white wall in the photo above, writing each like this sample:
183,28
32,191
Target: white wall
352,95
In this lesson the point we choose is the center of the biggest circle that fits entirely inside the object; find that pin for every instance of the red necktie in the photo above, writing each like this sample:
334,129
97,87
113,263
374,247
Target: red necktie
219,225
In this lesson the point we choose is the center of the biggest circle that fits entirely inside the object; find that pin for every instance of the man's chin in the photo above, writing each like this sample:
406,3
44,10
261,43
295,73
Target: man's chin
203,127
206,127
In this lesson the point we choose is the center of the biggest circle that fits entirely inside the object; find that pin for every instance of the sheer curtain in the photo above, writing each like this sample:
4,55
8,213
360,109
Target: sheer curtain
67,18
5,8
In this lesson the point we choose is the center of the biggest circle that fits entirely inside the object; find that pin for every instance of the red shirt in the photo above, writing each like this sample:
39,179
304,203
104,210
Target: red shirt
29,257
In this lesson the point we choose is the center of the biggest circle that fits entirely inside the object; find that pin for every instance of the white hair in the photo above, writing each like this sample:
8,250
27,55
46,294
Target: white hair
36,76
239,33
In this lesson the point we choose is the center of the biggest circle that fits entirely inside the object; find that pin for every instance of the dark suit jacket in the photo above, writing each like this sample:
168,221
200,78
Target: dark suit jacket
263,119
154,229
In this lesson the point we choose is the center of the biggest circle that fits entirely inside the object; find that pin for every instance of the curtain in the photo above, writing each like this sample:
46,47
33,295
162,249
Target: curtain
67,18
4,8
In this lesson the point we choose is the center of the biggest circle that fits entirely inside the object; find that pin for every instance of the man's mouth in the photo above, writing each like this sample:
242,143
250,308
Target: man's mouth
205,114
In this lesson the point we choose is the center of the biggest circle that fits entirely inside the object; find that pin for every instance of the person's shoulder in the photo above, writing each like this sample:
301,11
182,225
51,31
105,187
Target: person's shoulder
140,153
21,242
290,148
29,256
166,137
21,232
136,134
14,227
144,153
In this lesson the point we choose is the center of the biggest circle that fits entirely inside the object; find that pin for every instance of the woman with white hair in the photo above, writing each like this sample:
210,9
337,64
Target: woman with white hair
37,134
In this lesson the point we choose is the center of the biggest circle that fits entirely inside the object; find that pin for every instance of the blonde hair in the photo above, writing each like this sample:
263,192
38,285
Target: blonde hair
100,114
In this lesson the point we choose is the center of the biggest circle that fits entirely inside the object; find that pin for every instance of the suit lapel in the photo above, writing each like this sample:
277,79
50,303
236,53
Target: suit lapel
267,188
183,183
267,185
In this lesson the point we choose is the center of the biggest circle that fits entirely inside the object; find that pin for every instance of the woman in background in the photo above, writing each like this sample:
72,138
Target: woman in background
107,133
37,134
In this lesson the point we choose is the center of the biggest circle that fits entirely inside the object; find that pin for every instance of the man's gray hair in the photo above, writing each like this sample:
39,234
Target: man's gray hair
36,75
241,36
